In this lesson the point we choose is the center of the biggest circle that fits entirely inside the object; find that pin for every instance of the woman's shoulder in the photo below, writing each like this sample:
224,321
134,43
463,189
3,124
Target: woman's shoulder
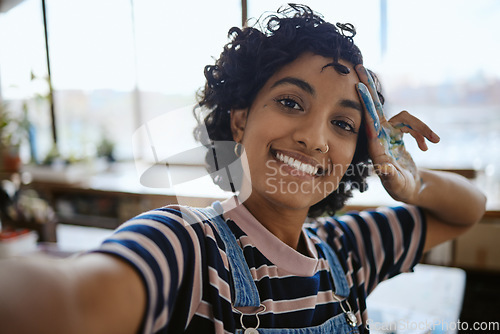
162,234
183,221
174,212
349,223
347,216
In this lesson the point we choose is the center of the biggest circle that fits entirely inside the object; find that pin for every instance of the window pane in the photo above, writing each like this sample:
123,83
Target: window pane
23,72
92,61
443,70
174,44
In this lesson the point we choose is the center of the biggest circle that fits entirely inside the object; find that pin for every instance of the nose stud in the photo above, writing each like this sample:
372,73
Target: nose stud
325,151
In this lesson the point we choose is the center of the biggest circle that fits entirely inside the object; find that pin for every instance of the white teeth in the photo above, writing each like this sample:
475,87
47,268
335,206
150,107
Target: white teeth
297,164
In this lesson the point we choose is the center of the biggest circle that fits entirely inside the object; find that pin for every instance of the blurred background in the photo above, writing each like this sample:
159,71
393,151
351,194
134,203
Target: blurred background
79,78
116,64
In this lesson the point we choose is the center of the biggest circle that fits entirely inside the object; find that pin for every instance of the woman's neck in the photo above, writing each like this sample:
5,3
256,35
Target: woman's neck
286,224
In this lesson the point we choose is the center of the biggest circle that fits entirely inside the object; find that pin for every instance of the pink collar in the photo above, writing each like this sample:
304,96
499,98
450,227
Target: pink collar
276,251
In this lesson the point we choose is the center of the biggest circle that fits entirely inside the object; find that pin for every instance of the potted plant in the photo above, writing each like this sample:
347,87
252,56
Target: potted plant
12,133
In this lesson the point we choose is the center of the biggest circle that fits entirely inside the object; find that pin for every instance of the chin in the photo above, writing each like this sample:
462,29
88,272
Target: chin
293,201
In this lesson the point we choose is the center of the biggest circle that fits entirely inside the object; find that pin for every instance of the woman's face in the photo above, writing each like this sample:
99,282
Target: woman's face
302,110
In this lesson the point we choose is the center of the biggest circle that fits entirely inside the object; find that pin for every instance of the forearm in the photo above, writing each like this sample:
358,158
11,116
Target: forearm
449,197
35,297
94,293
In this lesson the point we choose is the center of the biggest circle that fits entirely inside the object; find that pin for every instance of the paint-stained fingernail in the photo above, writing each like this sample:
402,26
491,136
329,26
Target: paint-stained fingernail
370,107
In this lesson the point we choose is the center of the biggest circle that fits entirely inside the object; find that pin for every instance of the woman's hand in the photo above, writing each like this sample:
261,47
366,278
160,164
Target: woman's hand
446,216
391,161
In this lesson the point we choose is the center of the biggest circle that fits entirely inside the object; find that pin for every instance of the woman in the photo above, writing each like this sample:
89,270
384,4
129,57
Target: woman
306,117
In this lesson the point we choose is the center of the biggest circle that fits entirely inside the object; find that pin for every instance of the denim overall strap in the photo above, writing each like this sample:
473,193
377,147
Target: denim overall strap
338,275
245,290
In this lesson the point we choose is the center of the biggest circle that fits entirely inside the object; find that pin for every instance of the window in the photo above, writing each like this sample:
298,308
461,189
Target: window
92,61
114,64
23,70
440,65
174,44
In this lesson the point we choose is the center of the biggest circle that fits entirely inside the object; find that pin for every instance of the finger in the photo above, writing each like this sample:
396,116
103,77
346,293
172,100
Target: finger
419,138
406,120
377,137
367,79
372,119
400,129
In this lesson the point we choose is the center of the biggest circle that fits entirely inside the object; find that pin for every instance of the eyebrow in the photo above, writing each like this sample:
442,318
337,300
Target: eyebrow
352,104
296,82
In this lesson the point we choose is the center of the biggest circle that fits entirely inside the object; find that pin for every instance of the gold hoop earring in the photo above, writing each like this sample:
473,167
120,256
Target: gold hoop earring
326,151
238,149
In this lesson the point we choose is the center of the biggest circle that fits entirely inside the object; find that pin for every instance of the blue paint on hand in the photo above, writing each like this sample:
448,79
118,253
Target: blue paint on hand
370,107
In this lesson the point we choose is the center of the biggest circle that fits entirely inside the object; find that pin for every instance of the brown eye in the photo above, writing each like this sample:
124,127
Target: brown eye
344,126
289,103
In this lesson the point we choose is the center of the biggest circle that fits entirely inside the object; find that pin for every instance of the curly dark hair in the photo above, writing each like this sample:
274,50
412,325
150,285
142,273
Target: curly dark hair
250,58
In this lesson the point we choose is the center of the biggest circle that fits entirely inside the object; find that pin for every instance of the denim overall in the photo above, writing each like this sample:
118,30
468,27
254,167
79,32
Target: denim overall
246,294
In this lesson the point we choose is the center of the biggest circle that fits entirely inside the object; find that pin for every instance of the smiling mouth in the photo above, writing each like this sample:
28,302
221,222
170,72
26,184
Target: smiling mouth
299,165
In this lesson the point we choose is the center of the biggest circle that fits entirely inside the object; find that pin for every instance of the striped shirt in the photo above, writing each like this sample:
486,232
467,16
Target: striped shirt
182,262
